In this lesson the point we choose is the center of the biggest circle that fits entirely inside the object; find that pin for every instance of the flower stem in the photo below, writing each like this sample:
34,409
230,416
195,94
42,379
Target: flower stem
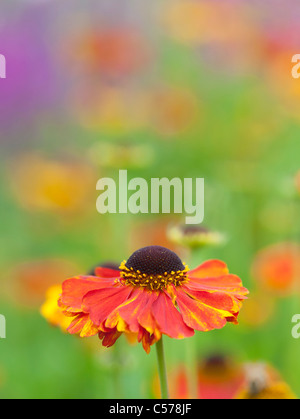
162,369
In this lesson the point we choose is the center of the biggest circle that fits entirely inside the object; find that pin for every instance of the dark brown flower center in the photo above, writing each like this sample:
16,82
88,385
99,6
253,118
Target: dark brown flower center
153,267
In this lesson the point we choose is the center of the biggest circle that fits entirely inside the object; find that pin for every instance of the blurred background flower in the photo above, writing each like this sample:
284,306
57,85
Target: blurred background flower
277,268
43,184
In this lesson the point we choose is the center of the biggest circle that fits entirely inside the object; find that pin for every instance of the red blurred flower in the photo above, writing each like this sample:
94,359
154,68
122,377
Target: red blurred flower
217,378
112,52
29,281
277,267
221,378
154,294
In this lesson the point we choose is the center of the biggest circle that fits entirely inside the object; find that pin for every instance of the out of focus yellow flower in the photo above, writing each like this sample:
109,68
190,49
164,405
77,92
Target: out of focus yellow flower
112,110
277,268
52,312
193,22
40,183
263,382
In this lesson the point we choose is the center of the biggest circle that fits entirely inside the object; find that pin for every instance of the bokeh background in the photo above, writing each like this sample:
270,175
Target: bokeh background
179,88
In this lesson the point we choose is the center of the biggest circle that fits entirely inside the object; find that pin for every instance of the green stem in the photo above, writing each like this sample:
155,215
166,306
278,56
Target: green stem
162,369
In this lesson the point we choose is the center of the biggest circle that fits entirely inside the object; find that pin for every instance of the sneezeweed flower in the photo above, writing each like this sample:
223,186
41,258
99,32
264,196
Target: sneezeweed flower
194,236
262,381
277,268
153,294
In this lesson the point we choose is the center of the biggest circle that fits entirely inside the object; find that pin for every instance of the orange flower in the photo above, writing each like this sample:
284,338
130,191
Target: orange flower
153,294
277,267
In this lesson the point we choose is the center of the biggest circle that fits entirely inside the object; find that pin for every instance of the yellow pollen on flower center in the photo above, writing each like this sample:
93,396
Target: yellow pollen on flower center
155,282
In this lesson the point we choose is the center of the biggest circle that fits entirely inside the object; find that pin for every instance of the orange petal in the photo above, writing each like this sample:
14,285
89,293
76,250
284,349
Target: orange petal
101,302
147,340
106,272
216,299
200,316
109,338
78,323
209,269
124,317
169,319
74,289
230,284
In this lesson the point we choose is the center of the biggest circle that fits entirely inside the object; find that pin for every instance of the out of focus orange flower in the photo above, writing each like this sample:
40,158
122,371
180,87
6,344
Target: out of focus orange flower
194,22
111,109
31,280
44,184
172,110
277,268
221,378
279,78
152,232
112,52
218,377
